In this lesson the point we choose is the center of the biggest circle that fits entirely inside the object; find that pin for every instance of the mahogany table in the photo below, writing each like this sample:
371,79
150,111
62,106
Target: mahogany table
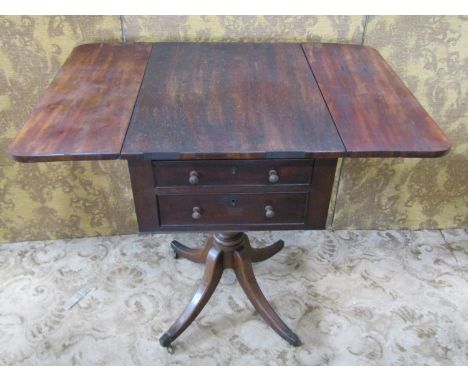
227,138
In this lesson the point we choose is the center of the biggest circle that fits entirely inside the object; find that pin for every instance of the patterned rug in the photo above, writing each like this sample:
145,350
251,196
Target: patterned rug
354,298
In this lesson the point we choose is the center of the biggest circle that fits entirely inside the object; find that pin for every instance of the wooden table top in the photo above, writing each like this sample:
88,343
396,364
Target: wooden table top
85,111
226,101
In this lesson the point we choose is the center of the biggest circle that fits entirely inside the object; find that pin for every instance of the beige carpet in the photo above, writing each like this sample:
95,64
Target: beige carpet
354,298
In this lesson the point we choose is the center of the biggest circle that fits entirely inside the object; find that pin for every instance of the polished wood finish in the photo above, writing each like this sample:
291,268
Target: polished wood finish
228,250
375,113
146,207
245,275
232,208
85,111
170,208
227,137
226,101
320,192
211,277
236,188
262,254
197,255
230,101
226,172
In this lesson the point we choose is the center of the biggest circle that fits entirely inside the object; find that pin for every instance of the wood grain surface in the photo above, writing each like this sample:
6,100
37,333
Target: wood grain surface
232,208
226,101
230,101
232,172
374,112
146,206
84,113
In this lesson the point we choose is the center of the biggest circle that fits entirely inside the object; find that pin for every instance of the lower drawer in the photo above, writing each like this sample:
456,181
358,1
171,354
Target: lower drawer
199,209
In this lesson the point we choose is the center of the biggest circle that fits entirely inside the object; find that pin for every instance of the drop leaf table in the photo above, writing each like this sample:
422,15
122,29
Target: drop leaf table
227,138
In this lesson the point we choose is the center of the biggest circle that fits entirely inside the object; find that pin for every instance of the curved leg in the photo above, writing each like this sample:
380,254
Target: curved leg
246,277
260,254
211,277
197,255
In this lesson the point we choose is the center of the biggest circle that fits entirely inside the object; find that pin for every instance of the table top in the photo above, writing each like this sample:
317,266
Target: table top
226,101
85,111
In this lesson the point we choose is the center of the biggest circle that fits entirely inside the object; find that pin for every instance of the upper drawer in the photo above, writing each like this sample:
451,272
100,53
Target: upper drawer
226,172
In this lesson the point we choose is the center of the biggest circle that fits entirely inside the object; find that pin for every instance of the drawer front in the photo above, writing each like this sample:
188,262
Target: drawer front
200,209
230,172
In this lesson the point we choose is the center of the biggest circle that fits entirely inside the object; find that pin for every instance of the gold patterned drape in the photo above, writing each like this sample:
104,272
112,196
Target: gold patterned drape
58,200
53,200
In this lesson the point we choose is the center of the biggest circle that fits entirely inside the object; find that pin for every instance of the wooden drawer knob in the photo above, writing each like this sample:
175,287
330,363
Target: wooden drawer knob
193,177
196,213
273,176
269,213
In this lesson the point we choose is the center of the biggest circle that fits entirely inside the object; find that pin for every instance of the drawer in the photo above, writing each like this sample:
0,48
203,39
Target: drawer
254,208
232,172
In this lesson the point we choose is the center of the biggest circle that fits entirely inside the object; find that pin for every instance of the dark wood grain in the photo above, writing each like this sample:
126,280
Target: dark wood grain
211,276
320,193
84,113
304,207
146,207
197,255
230,101
245,275
375,113
232,208
245,227
228,172
229,250
221,189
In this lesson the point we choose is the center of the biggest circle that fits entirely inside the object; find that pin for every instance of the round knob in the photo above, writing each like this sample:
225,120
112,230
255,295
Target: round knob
193,177
269,213
273,176
196,213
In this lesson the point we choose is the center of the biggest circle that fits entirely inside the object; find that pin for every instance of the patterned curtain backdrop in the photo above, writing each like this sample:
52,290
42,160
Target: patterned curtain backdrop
60,200
53,200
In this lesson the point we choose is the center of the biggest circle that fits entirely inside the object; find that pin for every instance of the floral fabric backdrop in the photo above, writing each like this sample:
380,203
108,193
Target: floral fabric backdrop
53,200
61,200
